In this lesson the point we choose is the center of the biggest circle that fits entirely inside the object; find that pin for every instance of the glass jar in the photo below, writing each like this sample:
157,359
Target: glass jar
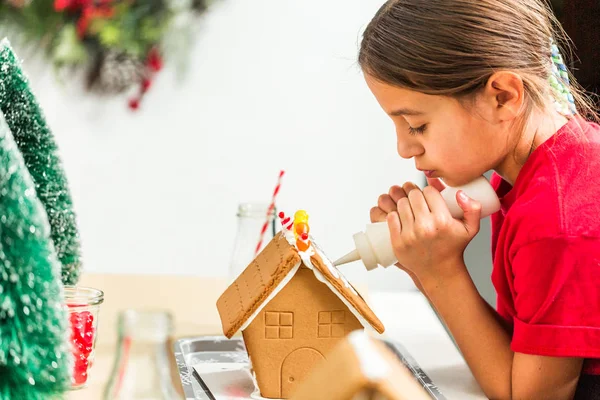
251,219
142,368
83,304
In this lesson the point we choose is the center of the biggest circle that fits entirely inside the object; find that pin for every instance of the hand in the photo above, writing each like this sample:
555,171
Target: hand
387,204
427,241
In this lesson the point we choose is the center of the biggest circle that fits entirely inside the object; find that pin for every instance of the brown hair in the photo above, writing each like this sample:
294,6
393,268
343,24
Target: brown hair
452,47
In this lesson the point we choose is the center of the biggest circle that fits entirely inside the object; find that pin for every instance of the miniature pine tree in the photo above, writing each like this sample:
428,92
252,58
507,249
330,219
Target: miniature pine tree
34,350
33,136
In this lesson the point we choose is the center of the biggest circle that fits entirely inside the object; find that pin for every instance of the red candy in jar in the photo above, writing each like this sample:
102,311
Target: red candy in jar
83,304
82,340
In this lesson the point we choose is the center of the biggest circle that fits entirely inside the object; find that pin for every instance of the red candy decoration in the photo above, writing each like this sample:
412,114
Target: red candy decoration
82,338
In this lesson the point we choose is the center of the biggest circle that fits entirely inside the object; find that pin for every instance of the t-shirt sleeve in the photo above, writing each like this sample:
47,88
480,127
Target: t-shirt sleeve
557,297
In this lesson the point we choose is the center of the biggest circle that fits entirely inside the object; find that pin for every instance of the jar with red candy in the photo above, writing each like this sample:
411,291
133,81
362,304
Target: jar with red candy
84,306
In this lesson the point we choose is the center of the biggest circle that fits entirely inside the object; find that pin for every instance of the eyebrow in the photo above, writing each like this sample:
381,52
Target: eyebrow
405,111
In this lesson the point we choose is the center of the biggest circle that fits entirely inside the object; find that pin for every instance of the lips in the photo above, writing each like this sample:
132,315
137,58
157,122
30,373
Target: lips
430,173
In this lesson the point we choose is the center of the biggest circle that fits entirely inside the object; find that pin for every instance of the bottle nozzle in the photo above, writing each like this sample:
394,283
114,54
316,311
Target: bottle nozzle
373,247
348,258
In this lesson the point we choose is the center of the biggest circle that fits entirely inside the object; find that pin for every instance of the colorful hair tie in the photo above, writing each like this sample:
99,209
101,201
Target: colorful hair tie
560,84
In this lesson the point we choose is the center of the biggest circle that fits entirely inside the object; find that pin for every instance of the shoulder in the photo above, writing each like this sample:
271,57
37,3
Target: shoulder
562,192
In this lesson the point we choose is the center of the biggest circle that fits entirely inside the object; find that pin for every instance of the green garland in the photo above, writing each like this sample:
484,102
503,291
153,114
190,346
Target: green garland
120,43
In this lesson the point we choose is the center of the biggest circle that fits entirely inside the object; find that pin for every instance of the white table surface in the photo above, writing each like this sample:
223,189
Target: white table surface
409,319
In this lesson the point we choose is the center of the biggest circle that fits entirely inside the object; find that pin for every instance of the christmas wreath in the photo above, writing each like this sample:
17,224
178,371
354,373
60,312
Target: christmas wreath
121,44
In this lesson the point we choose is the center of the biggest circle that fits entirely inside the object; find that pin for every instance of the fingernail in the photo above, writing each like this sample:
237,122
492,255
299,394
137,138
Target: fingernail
463,196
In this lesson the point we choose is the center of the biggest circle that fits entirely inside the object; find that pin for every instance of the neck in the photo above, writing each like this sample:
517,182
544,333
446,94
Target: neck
539,129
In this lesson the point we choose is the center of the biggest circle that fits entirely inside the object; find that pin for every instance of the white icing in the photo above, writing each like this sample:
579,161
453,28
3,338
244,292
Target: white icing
372,364
336,272
306,260
305,256
271,296
289,236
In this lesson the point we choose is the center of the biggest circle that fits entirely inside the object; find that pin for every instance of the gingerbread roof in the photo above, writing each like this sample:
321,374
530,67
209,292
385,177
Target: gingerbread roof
270,271
357,365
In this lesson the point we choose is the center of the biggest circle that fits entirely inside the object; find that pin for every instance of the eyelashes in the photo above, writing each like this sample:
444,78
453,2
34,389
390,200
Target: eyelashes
417,131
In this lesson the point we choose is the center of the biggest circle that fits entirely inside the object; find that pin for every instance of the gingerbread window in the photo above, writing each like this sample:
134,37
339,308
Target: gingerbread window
332,324
279,325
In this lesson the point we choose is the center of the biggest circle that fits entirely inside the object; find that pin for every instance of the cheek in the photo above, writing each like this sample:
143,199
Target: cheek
487,139
468,132
452,138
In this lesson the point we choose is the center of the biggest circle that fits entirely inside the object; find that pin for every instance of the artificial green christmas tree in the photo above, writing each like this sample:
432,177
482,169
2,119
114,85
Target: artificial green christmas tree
33,136
34,348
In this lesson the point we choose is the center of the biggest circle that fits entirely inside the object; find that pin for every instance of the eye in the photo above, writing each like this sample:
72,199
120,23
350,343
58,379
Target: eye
415,131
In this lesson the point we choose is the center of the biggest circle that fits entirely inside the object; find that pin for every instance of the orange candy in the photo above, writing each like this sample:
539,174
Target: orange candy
301,245
301,228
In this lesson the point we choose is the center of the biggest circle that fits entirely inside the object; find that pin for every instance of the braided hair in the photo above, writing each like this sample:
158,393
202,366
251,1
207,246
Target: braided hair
560,84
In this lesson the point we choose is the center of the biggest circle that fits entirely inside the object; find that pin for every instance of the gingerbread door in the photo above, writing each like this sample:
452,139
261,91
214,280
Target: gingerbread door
296,367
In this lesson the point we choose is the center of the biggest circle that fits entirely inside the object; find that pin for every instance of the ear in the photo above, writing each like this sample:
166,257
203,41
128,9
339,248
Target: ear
504,94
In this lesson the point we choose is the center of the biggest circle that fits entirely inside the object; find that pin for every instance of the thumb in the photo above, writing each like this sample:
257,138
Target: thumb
471,210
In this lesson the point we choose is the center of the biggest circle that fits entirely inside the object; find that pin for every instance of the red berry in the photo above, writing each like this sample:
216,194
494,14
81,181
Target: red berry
154,60
146,83
134,104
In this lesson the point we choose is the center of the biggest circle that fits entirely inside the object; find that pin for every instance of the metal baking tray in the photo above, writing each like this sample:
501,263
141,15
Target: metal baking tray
218,349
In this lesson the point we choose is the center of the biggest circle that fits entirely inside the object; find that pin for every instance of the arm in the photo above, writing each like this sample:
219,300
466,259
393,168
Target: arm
485,345
429,244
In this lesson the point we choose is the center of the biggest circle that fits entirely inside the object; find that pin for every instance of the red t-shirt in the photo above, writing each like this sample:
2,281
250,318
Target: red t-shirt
546,248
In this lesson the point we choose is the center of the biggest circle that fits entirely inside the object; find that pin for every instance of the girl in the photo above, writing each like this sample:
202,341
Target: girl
479,85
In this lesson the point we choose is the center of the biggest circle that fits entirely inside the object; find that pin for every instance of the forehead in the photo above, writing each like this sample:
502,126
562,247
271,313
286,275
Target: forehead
393,98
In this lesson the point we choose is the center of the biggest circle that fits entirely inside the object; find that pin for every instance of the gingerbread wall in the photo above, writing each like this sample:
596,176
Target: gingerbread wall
294,331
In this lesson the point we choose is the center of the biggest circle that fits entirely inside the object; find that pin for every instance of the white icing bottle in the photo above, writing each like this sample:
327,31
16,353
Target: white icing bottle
374,245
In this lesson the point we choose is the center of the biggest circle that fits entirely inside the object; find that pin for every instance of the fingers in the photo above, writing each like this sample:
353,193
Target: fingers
405,213
386,204
436,202
396,193
408,186
377,215
471,210
418,204
394,226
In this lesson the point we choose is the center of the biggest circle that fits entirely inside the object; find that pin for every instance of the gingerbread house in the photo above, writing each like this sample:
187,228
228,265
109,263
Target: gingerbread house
292,307
360,367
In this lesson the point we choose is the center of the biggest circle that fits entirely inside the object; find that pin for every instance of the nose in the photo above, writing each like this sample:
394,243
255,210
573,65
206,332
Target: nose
408,149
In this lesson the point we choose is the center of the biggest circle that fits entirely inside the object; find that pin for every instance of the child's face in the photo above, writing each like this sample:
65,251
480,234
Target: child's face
441,134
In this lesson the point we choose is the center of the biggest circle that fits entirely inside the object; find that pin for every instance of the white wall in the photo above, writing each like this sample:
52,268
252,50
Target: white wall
273,84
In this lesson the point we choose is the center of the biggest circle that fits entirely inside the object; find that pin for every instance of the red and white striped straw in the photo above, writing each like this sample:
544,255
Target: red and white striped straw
269,212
